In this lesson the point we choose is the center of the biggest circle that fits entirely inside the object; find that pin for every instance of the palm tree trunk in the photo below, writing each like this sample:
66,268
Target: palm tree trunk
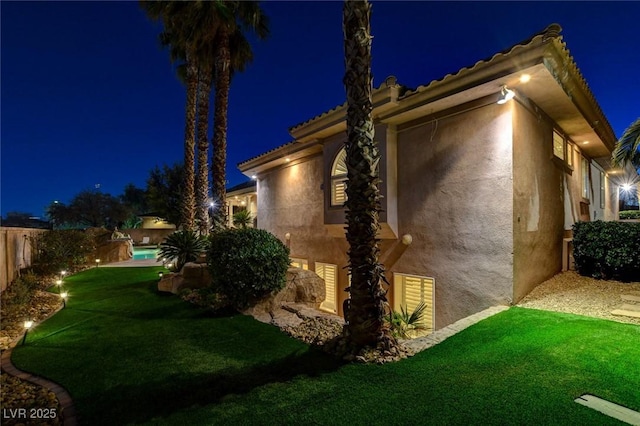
188,197
365,311
202,178
222,81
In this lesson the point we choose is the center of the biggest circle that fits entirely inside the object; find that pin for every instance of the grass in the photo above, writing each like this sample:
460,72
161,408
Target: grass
128,354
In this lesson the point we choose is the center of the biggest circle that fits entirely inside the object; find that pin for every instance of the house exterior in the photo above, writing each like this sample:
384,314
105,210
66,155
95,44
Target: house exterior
477,195
242,197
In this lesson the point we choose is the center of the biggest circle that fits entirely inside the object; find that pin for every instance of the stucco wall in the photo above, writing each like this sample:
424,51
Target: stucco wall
538,201
291,200
15,252
455,200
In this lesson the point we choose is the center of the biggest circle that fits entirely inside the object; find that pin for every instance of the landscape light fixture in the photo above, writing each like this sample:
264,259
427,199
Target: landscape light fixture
64,299
97,263
27,326
59,284
506,94
63,273
160,274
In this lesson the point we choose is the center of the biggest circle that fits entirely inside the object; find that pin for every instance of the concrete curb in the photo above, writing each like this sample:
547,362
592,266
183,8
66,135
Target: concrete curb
68,415
422,343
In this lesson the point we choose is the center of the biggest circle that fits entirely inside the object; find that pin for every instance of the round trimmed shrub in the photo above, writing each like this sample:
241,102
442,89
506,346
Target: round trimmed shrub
247,264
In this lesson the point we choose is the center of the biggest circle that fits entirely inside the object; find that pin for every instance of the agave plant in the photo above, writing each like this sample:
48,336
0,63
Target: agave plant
182,247
404,324
242,219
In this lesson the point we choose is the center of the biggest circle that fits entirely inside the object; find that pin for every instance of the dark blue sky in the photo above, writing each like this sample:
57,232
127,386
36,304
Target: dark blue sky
89,97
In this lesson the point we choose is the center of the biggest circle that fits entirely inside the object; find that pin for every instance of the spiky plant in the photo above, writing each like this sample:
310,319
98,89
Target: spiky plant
182,247
242,219
404,324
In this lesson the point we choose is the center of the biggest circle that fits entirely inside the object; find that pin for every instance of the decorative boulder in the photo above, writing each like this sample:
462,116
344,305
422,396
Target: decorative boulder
114,251
192,275
303,287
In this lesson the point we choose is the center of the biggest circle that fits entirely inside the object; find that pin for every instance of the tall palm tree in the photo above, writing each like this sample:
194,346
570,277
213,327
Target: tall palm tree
628,146
181,36
367,306
231,54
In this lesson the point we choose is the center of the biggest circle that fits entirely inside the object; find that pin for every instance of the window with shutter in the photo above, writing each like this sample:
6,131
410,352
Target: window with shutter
329,273
339,179
299,263
411,290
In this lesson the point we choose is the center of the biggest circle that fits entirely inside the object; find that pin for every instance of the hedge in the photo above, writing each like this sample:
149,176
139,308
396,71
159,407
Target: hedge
630,214
607,250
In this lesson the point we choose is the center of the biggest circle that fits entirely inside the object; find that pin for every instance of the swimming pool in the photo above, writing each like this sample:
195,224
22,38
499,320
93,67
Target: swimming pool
144,253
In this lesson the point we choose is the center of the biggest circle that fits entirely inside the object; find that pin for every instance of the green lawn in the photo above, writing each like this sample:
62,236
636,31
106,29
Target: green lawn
128,354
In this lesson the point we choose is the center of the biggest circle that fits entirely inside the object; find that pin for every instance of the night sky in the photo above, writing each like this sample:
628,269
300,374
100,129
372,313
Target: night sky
89,97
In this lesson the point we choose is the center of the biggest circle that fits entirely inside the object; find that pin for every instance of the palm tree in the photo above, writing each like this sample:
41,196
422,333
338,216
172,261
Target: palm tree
628,146
366,309
232,52
181,36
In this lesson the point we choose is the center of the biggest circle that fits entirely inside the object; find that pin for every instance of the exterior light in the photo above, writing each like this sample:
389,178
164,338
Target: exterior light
97,263
169,265
585,143
27,326
506,95
287,236
63,273
59,284
407,239
160,274
525,78
626,187
287,159
254,177
64,296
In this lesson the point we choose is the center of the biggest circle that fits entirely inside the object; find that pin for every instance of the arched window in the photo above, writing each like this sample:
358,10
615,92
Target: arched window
339,179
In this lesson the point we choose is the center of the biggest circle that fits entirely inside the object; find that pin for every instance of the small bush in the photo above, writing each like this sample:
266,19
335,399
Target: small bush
607,250
629,214
61,249
247,264
406,325
19,293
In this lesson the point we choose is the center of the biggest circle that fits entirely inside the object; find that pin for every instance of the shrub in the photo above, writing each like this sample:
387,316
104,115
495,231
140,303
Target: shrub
406,325
61,249
607,250
247,264
629,214
182,247
242,219
19,293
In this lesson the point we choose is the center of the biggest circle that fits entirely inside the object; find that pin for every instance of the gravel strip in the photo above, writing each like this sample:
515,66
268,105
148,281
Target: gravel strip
570,292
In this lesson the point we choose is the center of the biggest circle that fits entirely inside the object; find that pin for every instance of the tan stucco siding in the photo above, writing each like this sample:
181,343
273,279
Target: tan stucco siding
455,200
291,200
538,201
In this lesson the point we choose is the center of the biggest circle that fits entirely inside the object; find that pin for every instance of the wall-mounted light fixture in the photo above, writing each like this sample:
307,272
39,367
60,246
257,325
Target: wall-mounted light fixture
506,94
407,239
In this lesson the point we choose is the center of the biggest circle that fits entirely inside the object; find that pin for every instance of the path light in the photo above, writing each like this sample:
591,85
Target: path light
64,299
169,265
97,263
63,273
27,326
59,284
160,274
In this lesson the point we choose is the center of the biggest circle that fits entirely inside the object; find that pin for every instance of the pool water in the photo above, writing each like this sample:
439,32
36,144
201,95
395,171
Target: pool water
144,253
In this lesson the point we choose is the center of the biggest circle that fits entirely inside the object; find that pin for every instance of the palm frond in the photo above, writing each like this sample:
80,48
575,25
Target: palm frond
628,146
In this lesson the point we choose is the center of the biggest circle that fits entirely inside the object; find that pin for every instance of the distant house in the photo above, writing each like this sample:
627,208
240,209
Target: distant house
242,197
154,221
478,193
